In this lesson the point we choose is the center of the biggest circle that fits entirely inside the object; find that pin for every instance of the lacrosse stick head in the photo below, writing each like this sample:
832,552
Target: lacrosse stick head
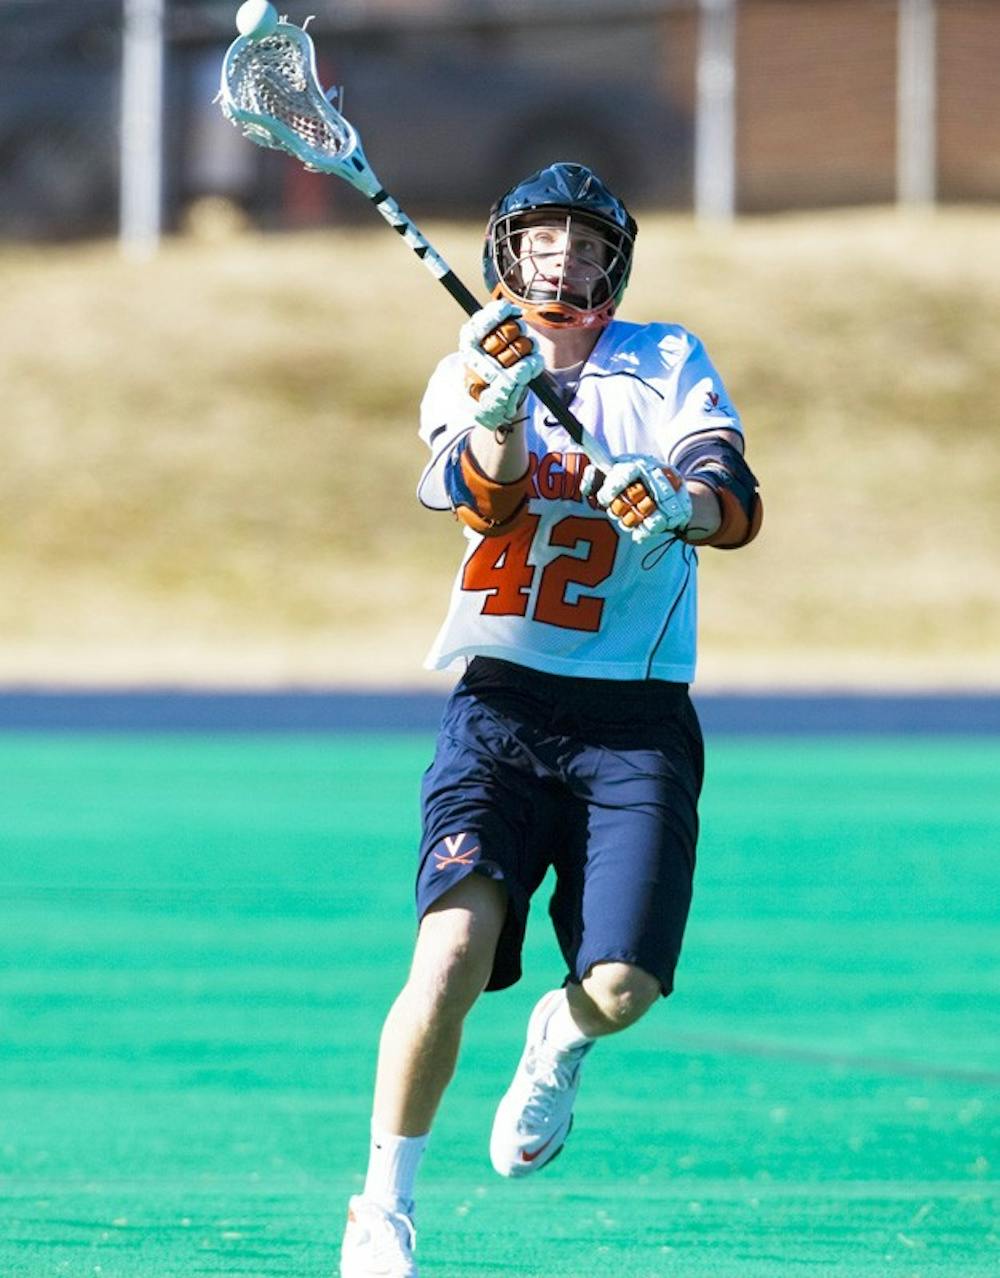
270,89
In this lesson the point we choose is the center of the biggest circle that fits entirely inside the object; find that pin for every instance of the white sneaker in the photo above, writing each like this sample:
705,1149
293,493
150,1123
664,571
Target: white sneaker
377,1243
536,1114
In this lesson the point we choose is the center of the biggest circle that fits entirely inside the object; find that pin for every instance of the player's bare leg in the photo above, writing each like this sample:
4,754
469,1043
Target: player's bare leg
417,1056
535,1115
421,1036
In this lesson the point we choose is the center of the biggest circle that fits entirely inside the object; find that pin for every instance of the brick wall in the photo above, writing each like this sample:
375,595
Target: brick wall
816,86
969,99
816,102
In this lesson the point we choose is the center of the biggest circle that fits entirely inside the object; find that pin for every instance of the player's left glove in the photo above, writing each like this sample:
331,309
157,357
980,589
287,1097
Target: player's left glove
642,496
501,358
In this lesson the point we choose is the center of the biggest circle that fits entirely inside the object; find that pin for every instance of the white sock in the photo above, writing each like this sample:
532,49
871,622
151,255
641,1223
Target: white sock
392,1169
561,1031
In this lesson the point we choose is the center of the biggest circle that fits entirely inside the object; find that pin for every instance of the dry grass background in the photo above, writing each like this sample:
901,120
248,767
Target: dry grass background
209,460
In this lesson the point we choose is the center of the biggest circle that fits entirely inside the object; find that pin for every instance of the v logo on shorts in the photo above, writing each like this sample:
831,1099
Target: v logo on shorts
453,855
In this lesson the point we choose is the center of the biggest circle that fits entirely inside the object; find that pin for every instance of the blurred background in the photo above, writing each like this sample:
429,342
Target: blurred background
211,365
459,98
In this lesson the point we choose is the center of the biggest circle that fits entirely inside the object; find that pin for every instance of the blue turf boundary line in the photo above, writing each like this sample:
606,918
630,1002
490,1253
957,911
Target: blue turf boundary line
326,710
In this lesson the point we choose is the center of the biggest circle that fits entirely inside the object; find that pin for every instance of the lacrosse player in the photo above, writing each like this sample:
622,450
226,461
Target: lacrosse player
569,739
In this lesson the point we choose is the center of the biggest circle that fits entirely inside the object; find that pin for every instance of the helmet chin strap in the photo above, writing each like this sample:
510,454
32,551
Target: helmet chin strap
568,318
557,315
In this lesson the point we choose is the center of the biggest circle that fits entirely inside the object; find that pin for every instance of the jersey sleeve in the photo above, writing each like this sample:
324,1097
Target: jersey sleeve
697,400
446,413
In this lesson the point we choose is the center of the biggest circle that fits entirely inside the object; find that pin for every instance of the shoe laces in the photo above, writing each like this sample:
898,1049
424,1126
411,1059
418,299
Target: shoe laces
549,1072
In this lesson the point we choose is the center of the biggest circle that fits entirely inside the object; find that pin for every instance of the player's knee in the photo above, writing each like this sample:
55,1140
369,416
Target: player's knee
448,976
447,985
621,992
455,949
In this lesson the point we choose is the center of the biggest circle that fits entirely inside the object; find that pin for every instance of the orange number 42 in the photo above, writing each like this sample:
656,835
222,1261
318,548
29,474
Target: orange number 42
499,566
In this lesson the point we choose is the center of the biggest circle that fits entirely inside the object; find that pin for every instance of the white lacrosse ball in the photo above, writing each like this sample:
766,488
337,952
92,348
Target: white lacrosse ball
256,18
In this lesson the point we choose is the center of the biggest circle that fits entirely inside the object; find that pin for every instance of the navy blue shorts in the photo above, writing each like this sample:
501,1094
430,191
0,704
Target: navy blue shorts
598,778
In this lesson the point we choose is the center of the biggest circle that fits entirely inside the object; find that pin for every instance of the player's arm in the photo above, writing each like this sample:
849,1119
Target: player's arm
707,495
706,514
486,474
727,511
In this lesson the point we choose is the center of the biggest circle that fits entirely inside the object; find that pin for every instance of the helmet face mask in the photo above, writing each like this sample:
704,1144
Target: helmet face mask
559,245
564,269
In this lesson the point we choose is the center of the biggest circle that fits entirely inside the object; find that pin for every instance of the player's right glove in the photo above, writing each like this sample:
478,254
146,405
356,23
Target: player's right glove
642,496
501,358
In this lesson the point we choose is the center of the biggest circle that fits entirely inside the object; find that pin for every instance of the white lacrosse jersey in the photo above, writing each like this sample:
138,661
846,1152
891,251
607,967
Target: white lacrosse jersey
566,592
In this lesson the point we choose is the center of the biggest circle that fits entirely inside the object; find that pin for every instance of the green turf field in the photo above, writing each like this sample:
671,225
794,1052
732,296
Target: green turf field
200,937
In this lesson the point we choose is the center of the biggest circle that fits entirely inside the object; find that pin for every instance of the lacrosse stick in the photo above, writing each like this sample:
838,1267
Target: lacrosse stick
270,88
